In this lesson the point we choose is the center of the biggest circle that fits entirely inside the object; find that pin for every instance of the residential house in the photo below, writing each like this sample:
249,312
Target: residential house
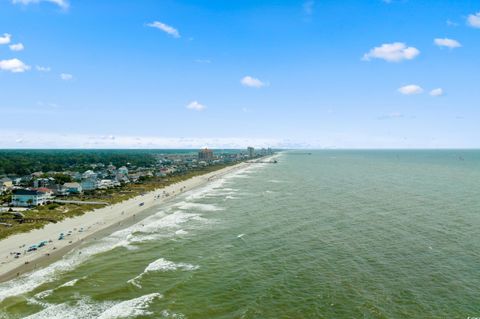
73,188
27,197
6,183
89,184
89,174
123,170
43,182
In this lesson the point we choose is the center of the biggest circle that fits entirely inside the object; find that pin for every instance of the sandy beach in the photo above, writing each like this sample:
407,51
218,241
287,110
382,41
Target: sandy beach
91,225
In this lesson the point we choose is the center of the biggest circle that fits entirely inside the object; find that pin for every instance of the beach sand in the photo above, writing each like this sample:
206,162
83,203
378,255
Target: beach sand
94,225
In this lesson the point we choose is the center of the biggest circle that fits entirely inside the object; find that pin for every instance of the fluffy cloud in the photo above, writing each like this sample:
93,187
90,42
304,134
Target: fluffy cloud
16,47
66,76
195,105
165,28
13,65
61,3
5,38
392,52
410,89
436,92
43,68
449,43
252,82
473,20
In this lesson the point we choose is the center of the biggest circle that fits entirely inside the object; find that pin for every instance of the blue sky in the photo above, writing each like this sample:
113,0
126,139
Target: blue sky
315,73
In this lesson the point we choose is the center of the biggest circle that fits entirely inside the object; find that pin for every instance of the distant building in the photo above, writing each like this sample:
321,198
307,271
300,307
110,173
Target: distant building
44,182
6,183
89,184
89,174
123,170
205,155
73,188
251,152
27,198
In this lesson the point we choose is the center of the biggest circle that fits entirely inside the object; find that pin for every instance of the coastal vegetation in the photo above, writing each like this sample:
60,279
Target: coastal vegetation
23,162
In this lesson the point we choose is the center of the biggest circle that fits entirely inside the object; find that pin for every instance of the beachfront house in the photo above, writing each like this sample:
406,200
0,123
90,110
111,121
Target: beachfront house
89,184
73,188
28,197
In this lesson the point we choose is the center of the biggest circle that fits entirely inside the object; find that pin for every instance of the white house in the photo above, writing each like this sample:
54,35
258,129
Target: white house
26,197
89,174
73,188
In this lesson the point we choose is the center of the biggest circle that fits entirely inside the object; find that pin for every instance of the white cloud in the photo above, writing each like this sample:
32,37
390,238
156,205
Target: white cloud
437,92
165,28
392,52
473,20
451,23
66,76
5,38
449,43
195,105
308,7
61,3
252,82
16,47
410,89
13,65
43,68
31,139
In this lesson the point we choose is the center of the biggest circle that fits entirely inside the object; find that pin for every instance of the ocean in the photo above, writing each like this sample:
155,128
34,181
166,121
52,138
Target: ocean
326,234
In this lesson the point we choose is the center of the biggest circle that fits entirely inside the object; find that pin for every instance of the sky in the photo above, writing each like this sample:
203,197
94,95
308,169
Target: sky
228,74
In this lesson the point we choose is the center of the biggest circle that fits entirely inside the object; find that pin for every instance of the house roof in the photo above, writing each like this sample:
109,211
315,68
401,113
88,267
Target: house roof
26,192
71,185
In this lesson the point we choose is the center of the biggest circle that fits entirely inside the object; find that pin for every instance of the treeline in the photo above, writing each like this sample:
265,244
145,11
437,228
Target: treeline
24,162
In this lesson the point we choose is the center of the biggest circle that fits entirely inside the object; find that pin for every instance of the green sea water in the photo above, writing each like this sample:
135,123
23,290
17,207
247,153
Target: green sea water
333,234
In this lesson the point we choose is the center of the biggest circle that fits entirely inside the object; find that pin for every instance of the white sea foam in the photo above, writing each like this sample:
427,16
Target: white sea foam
44,294
198,206
68,262
276,181
70,283
169,314
131,308
162,264
84,309
181,232
88,309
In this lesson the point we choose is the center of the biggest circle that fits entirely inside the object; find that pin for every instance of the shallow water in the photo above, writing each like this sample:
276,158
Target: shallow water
335,234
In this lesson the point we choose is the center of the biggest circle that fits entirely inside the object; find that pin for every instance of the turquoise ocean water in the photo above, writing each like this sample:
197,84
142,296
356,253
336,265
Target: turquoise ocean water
334,234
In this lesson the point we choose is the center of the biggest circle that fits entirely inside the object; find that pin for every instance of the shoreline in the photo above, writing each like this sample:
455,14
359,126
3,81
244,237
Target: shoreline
95,224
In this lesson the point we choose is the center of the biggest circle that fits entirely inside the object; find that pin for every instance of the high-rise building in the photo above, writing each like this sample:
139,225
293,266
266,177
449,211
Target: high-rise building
251,152
205,155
